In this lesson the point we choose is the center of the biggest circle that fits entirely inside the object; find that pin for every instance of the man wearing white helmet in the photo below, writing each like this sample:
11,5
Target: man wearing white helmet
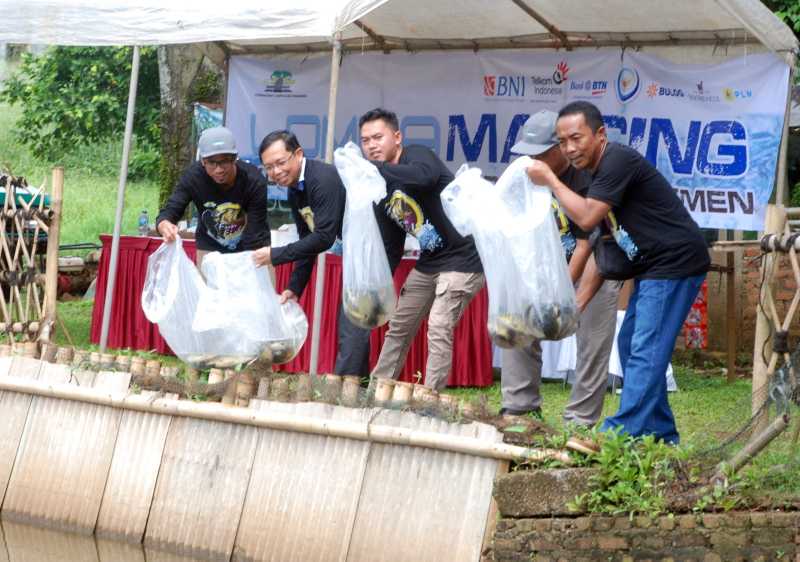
230,196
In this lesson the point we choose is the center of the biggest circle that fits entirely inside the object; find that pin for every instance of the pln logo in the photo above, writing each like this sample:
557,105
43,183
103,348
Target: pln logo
280,81
503,86
627,84
734,94
561,72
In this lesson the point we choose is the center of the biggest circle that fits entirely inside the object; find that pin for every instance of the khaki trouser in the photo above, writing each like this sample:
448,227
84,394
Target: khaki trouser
521,371
200,254
442,297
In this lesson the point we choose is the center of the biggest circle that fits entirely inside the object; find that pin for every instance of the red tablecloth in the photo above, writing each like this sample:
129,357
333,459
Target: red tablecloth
472,353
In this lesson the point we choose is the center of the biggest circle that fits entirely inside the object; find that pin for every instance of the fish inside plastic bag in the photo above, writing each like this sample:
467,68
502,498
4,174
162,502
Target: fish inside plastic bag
227,320
368,295
530,293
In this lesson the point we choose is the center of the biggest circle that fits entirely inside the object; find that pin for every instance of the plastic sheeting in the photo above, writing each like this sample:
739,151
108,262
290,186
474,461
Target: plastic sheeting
417,24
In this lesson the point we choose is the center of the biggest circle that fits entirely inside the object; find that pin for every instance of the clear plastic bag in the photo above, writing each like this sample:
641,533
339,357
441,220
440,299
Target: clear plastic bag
231,319
170,295
530,292
368,295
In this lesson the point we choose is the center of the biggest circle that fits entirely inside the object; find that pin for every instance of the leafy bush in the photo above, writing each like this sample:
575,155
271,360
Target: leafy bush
75,96
631,476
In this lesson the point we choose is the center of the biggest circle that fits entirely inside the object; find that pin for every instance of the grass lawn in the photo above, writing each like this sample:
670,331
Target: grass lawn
91,178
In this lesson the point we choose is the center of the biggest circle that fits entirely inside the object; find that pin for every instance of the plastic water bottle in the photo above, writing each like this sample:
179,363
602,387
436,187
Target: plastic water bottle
144,223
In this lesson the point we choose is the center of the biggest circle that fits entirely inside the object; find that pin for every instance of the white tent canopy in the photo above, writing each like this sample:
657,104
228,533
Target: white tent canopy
305,26
255,25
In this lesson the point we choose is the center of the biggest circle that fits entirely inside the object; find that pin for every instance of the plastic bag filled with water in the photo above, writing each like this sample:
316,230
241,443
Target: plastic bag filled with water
368,295
530,292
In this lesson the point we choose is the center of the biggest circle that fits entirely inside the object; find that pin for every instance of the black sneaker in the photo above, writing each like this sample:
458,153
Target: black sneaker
536,412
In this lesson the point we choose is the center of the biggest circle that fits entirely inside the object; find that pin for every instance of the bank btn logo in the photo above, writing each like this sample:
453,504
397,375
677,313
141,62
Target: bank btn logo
627,84
279,82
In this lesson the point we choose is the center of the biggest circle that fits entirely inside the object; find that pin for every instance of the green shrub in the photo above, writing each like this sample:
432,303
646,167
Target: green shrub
73,96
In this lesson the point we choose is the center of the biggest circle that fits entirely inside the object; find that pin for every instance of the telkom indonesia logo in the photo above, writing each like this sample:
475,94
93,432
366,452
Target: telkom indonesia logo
561,72
627,84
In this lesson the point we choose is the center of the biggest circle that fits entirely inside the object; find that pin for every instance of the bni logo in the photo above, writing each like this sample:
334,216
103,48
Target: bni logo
505,86
627,84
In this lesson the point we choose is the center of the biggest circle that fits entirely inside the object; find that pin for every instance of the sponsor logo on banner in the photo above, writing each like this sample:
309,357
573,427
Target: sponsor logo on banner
279,84
588,88
627,84
489,85
561,72
735,94
654,89
551,85
702,94
504,86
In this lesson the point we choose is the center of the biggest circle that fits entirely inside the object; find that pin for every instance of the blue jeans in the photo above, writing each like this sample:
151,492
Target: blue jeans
655,315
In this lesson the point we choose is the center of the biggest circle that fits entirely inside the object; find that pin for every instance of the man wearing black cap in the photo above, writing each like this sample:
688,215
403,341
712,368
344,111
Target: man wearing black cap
230,196
522,368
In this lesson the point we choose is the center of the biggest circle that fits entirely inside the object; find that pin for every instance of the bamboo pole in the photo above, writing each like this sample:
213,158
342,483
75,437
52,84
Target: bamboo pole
762,353
285,422
753,447
730,320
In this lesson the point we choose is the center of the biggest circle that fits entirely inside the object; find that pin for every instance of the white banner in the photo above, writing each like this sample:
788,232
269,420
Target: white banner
713,131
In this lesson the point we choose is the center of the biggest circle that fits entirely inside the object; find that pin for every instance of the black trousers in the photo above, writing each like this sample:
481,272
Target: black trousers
352,354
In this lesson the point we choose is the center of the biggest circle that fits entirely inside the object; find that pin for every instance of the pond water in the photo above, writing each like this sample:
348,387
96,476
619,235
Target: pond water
24,543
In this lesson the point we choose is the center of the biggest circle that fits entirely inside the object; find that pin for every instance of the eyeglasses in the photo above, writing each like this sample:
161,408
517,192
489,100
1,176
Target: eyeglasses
279,164
220,163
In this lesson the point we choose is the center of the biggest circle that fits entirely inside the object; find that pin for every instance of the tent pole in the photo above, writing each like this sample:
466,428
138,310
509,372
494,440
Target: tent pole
320,280
780,195
123,178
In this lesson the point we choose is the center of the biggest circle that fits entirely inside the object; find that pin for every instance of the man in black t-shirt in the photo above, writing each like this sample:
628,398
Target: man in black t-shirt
448,273
230,197
638,207
522,368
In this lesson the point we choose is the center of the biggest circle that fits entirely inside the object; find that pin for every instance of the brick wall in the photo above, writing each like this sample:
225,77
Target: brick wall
750,280
726,537
748,283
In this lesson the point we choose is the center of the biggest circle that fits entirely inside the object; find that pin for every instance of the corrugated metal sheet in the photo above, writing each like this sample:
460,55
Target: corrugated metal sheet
5,367
29,544
133,474
54,373
14,407
201,487
62,462
304,491
423,505
25,367
320,499
3,548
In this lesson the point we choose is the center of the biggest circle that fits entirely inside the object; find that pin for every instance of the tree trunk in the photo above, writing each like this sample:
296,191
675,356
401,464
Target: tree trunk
177,68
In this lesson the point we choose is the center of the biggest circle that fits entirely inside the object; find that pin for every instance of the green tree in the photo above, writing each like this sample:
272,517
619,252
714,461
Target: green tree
72,96
788,11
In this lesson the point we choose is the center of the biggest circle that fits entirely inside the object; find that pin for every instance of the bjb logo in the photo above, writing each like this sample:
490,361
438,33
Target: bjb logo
503,86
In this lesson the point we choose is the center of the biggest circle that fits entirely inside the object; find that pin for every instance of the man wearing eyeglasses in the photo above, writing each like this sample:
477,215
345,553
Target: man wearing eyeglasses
316,196
230,196
317,199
